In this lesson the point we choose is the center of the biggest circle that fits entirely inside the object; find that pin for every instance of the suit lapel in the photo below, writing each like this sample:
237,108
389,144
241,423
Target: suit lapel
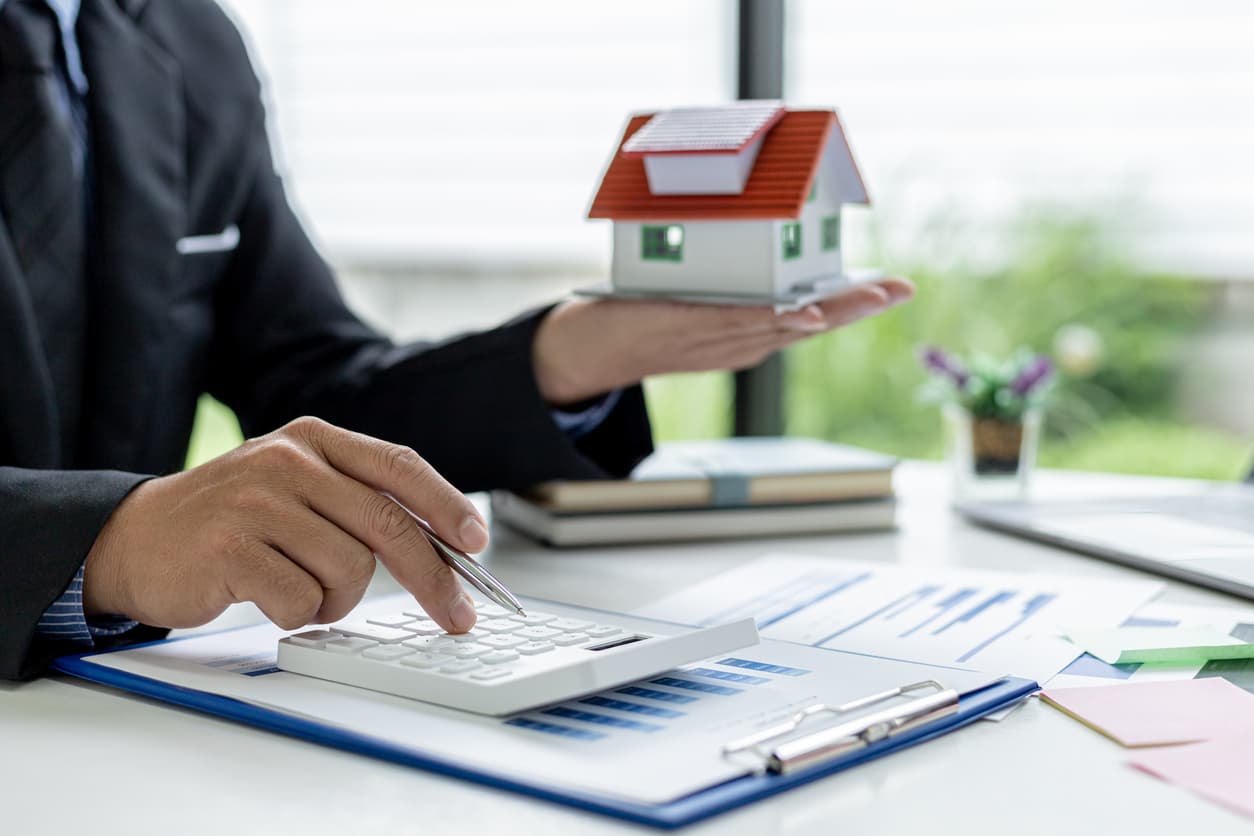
139,213
29,433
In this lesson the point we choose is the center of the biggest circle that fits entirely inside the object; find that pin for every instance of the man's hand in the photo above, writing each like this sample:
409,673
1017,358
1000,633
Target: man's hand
587,347
291,521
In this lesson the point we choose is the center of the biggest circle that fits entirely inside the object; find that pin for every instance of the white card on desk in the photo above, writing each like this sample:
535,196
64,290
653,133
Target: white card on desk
650,742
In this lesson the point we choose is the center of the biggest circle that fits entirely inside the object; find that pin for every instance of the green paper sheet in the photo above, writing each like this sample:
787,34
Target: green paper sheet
1161,645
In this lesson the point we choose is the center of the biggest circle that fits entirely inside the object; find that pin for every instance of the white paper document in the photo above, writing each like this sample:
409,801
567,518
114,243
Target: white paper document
651,741
997,622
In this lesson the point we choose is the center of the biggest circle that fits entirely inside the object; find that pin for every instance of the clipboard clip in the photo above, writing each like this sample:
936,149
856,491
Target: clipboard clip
781,754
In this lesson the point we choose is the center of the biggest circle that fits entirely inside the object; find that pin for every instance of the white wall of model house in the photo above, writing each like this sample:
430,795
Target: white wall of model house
733,257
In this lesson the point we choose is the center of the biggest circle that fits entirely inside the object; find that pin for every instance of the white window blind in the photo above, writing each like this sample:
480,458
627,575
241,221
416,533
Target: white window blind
470,132
1137,108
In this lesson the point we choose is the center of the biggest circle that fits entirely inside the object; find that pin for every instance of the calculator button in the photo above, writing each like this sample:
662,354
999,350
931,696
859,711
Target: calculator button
502,642
533,648
459,666
469,651
490,673
469,636
567,639
496,657
417,615
383,635
386,652
597,631
424,661
431,644
349,645
390,620
531,619
425,628
314,638
499,625
569,625
535,633
490,610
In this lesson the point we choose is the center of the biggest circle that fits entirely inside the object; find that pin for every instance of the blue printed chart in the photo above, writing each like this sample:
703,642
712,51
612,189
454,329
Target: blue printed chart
996,622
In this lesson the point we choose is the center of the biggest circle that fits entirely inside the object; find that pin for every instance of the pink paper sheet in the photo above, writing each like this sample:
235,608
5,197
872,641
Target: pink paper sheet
1220,770
1158,713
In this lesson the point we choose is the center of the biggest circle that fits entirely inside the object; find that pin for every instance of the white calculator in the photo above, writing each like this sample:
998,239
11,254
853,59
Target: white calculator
507,663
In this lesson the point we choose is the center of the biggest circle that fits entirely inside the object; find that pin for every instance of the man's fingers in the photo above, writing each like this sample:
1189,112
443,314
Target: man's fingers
899,290
287,594
855,304
340,563
389,531
432,583
404,474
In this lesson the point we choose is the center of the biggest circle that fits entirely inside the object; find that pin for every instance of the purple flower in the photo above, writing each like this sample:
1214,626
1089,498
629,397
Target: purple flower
1033,375
941,363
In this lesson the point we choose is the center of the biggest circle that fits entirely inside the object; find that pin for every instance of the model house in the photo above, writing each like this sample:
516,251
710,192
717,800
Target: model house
740,200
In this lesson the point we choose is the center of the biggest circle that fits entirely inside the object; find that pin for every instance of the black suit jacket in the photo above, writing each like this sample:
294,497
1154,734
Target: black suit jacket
179,149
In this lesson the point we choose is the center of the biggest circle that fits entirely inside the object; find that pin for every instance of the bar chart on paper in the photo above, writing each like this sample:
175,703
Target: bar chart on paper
998,622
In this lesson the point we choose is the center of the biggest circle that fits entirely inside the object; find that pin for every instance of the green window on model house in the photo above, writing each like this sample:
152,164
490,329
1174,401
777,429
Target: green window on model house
792,240
831,232
662,243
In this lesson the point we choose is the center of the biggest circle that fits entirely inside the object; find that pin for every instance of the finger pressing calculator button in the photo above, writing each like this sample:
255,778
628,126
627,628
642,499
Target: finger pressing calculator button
538,633
459,666
496,657
598,631
568,639
490,673
533,648
383,635
390,620
349,645
386,652
314,638
534,618
502,642
425,661
569,625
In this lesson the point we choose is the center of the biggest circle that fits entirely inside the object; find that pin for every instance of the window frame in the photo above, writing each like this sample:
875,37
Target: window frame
783,239
672,254
834,222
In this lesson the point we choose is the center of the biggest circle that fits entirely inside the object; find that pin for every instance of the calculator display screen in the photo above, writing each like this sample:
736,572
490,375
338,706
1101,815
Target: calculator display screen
617,642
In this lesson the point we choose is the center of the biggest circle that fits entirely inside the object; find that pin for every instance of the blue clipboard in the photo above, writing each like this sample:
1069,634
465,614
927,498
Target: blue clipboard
701,805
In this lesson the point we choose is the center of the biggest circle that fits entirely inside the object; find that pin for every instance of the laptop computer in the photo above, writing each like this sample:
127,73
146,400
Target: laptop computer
1206,538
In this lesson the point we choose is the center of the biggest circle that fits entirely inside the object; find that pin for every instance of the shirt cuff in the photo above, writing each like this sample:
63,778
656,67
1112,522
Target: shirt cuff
65,620
580,423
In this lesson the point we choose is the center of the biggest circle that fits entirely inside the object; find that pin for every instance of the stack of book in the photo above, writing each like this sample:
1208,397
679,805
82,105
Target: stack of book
694,490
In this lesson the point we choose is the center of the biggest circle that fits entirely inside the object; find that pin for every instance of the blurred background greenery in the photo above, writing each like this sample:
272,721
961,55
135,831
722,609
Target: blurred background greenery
1117,333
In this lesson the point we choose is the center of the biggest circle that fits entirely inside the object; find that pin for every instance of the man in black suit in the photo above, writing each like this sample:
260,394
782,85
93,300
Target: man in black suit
147,254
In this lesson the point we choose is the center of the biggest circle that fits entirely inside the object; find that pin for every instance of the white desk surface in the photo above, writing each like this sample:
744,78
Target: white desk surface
77,758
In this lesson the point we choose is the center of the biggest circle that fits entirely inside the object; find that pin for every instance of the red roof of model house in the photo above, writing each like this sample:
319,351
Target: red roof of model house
777,187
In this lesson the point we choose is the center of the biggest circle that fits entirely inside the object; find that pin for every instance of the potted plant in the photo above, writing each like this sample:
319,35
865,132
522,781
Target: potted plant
992,410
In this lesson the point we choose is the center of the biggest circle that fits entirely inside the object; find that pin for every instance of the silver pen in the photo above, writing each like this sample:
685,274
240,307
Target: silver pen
470,569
